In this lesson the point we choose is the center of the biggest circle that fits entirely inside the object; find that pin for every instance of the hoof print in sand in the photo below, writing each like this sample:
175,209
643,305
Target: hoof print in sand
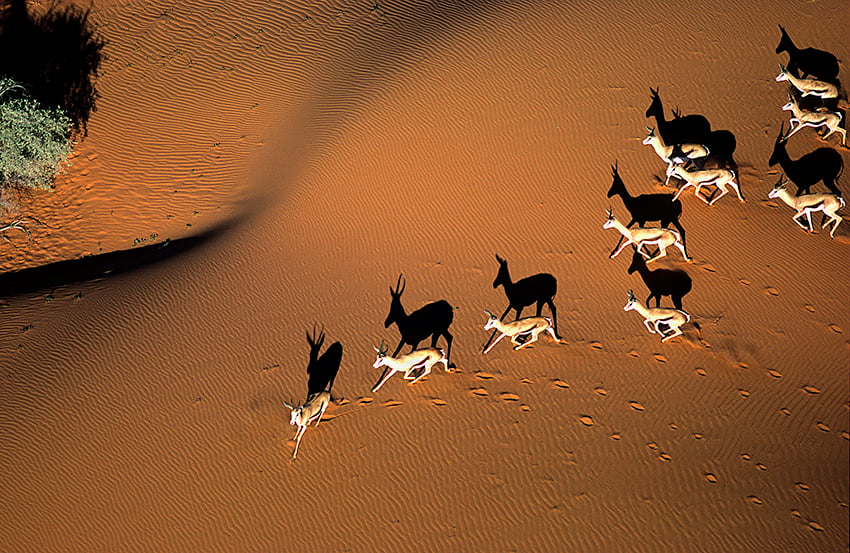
822,426
711,478
755,500
601,391
774,373
438,402
560,384
811,389
636,406
508,396
480,392
586,420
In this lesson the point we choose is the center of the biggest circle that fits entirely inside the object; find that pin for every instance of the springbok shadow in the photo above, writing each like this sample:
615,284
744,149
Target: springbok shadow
322,369
808,62
675,283
682,129
92,267
432,320
539,289
823,164
56,56
647,207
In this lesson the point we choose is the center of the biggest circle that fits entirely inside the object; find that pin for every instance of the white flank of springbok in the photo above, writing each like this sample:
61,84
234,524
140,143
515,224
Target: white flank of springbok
808,87
705,177
830,119
311,411
655,316
529,328
661,237
691,151
424,358
808,203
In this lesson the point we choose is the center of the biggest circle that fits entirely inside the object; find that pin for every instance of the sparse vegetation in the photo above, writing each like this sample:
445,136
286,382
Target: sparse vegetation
34,141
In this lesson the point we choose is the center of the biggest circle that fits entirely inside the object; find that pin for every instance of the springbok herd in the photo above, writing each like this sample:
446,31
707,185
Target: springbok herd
694,154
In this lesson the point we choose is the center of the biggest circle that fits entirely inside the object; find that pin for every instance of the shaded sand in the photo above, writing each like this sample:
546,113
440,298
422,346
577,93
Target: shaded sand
339,145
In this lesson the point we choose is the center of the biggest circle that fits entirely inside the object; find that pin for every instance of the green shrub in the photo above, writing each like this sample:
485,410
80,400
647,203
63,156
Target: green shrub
34,141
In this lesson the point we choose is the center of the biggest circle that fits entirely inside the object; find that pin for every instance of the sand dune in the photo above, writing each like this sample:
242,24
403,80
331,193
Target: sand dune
343,144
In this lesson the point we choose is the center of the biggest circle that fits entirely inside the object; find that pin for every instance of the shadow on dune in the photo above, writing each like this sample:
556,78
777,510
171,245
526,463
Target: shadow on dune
55,55
93,267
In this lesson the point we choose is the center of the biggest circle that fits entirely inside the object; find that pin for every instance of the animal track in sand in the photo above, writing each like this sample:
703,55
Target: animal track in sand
560,384
770,291
700,371
743,393
586,420
835,328
809,307
634,353
755,500
673,426
761,466
746,457
845,435
636,406
595,345
601,391
802,486
438,402
484,376
480,392
698,436
742,365
709,268
815,526
811,389
785,411
822,426
525,407
744,282
711,478
507,396
392,403
665,456
774,373
653,446
365,401
616,436
660,358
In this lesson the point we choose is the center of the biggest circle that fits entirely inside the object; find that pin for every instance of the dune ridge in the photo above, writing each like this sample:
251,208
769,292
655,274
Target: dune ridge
350,143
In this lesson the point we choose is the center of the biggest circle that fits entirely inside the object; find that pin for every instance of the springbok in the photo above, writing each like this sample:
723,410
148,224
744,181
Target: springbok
807,203
803,118
423,358
673,319
690,151
823,164
321,371
527,329
661,237
433,319
647,207
808,87
705,177
537,289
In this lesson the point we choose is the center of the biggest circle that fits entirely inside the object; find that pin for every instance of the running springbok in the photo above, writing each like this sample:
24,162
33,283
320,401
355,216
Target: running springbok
321,371
661,237
522,332
673,319
691,151
807,203
705,177
808,87
423,358
830,119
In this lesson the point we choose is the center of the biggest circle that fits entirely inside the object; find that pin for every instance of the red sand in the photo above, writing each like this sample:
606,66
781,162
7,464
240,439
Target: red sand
145,411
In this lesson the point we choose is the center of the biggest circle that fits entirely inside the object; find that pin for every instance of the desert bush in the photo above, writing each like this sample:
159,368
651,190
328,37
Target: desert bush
34,141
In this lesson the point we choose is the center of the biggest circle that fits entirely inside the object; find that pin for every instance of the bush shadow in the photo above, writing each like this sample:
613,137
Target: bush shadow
56,55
